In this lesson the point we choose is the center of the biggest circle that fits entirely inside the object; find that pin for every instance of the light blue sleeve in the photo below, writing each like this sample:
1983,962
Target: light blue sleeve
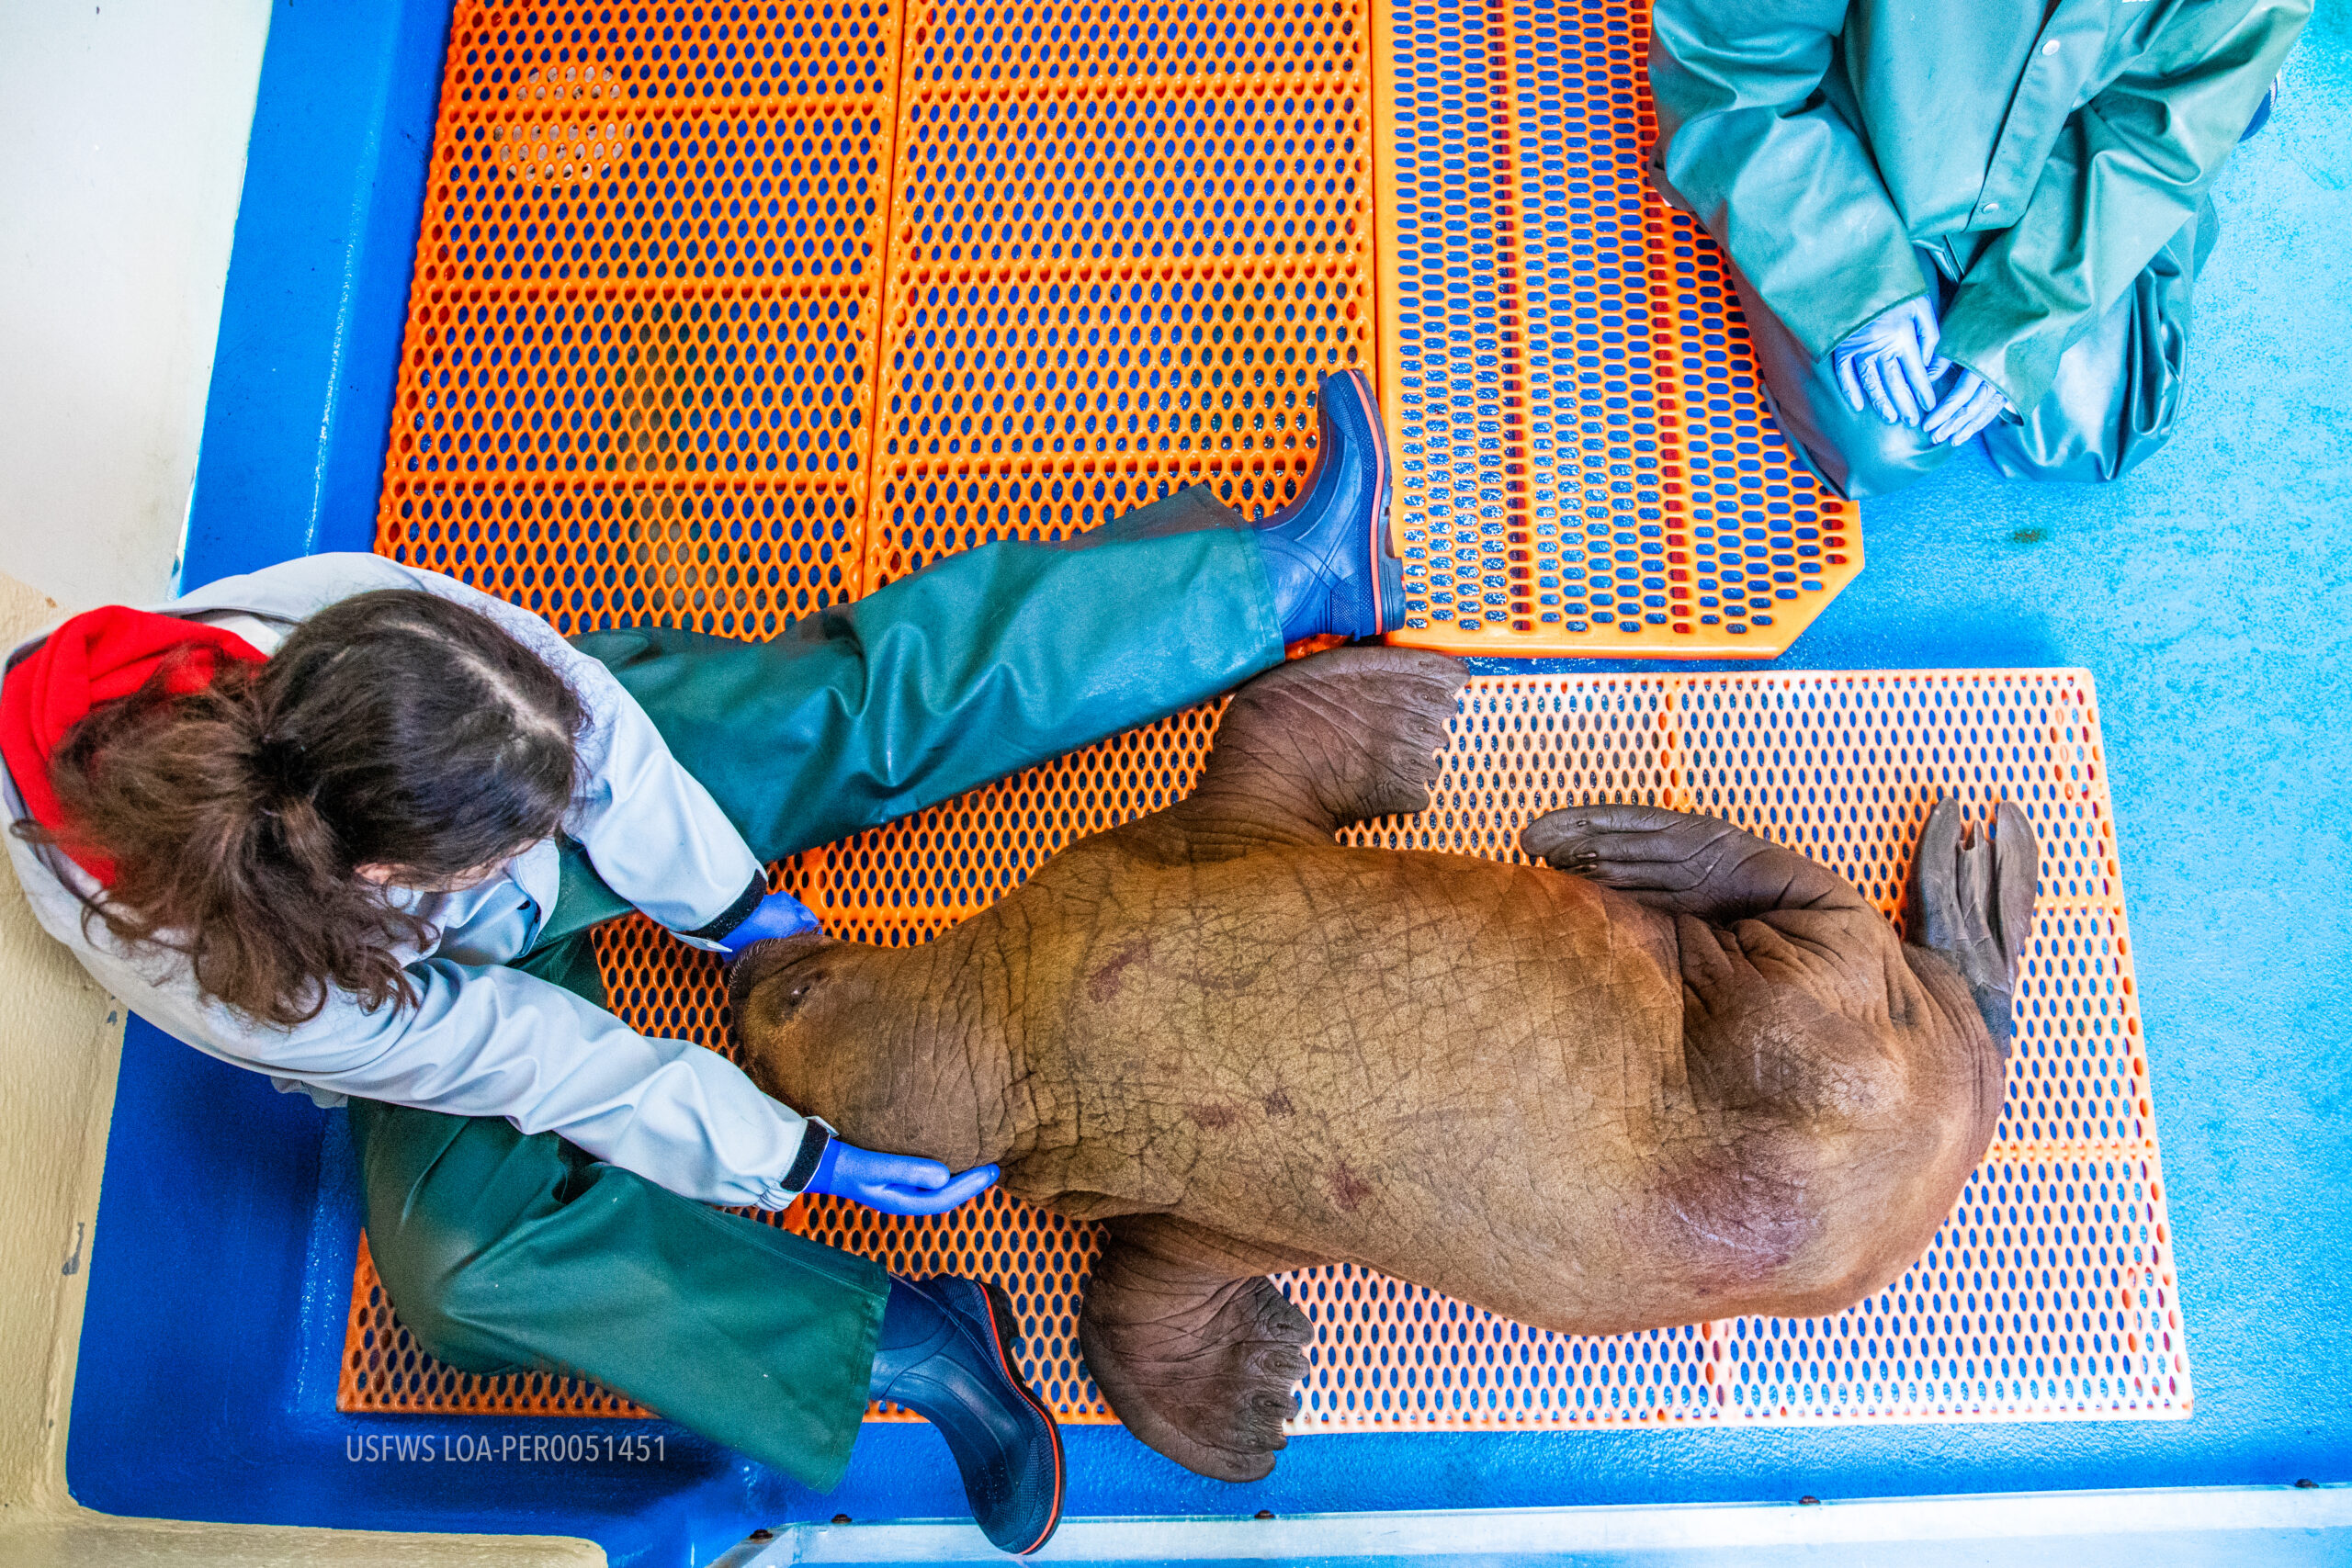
490,1041
484,1041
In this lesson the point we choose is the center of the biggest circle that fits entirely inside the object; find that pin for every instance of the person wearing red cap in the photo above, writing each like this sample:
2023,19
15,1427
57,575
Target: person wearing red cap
348,823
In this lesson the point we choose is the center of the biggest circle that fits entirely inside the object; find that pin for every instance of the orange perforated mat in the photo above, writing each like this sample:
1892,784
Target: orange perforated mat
1584,462
723,313
2049,1293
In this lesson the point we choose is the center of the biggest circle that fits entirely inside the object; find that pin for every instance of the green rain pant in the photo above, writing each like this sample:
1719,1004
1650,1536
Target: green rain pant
504,1252
2119,389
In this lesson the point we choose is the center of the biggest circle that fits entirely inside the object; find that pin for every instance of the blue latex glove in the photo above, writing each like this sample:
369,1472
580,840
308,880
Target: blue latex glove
778,914
895,1184
1885,363
1967,406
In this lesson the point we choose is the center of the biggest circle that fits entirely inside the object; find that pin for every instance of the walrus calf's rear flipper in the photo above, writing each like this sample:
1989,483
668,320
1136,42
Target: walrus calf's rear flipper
1971,903
1683,863
1198,1363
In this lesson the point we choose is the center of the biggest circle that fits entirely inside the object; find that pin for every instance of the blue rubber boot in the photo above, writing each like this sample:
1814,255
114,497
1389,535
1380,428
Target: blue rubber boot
946,1354
1333,565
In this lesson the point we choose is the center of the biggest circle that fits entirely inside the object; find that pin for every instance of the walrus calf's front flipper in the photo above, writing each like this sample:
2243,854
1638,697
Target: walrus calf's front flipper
1971,904
1319,743
1194,1347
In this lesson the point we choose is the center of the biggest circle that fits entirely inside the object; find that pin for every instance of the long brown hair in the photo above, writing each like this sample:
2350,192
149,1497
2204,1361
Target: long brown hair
393,728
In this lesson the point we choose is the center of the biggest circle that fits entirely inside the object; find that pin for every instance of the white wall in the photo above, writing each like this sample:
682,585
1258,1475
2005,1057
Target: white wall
60,1040
122,153
122,150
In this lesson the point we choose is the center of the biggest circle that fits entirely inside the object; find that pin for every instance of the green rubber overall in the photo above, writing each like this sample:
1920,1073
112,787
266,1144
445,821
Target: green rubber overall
2038,169
504,1252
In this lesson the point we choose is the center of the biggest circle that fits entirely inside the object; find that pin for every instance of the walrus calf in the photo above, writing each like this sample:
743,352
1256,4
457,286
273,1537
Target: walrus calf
1675,1073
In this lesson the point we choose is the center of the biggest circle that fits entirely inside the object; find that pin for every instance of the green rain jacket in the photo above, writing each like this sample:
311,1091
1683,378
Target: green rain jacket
2040,156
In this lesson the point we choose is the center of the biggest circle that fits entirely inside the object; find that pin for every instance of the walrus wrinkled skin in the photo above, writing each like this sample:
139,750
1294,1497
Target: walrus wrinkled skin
1675,1073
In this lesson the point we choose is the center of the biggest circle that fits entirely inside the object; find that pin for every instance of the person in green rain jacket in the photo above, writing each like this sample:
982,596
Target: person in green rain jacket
1949,220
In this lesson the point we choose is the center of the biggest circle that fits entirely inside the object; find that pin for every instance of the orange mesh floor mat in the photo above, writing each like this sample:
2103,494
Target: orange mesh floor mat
1584,463
723,313
2049,1293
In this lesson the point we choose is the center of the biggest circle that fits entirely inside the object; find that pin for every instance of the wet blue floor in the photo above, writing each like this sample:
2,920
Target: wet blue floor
2208,595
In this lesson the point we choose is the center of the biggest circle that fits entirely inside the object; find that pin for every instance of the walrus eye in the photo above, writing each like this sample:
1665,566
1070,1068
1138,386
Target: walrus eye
797,992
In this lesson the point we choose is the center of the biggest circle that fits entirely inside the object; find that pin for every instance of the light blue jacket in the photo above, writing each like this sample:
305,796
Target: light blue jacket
2041,152
487,1039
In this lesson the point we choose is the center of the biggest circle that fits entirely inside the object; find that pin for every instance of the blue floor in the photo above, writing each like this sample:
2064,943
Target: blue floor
2208,595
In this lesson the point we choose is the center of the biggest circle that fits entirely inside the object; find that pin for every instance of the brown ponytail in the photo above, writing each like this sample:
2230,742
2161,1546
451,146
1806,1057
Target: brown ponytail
395,729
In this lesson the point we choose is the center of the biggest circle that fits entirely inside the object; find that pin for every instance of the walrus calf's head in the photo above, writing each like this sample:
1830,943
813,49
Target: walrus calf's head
851,1033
